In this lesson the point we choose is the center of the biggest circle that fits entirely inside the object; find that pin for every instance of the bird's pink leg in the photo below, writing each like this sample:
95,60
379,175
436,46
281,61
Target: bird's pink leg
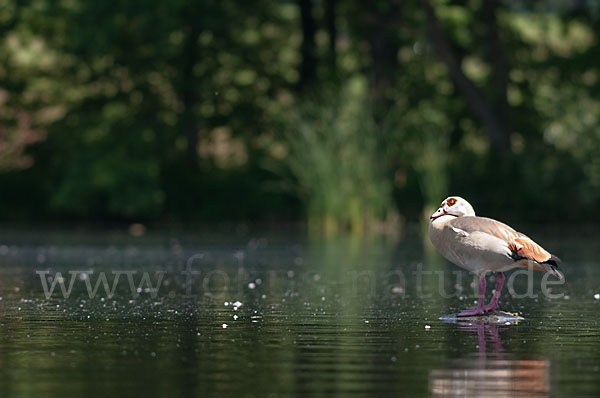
493,305
479,309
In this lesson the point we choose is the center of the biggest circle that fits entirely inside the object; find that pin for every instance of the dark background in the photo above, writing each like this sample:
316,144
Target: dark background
347,115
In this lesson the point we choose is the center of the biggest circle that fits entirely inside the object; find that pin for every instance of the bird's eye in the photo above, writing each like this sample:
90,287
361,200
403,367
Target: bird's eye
451,202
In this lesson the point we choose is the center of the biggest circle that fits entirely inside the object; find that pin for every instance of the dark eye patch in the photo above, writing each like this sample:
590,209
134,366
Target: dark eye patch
451,202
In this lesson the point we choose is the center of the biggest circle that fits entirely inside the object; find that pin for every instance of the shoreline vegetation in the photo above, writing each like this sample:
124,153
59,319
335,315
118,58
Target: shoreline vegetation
343,117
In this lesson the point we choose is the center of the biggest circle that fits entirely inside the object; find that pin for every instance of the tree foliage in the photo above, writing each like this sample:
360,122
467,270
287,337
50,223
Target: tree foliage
237,110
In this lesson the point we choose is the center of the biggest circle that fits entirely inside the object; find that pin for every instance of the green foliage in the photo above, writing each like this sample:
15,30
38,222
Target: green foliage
181,111
427,145
334,154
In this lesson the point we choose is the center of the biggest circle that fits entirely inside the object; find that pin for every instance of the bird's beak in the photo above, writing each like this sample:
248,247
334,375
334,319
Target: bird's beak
440,212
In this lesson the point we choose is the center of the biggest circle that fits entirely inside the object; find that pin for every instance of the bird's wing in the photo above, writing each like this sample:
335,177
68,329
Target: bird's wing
518,243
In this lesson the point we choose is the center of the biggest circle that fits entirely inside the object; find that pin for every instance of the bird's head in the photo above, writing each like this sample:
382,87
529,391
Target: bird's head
454,206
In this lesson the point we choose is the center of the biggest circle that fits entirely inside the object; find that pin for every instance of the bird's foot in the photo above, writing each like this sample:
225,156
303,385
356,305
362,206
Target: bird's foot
472,311
493,306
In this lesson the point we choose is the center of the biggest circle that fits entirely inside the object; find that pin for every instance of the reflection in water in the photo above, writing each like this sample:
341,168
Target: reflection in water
490,375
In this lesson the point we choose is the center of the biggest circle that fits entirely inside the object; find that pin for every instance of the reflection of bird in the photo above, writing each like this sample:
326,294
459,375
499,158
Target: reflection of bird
483,245
492,378
481,329
492,375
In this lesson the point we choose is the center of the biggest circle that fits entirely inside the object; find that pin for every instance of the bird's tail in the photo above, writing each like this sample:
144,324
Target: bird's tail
550,265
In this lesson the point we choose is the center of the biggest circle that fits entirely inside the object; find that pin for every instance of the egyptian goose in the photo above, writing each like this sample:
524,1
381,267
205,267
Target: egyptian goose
483,245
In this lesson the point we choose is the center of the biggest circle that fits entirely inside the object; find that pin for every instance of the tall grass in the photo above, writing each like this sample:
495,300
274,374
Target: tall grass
427,132
430,155
334,154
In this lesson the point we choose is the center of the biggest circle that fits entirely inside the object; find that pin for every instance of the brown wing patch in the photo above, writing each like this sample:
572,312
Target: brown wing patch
526,248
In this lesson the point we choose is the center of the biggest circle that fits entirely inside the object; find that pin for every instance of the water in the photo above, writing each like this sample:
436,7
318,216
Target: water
241,314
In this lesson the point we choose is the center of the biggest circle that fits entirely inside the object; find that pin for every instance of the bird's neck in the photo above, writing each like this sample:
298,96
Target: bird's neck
441,221
436,228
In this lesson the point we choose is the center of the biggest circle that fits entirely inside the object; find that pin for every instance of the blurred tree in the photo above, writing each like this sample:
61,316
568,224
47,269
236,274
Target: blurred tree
22,115
170,110
482,107
383,21
499,75
188,85
330,22
308,65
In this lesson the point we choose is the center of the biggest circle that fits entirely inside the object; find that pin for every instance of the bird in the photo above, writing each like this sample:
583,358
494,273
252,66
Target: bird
483,245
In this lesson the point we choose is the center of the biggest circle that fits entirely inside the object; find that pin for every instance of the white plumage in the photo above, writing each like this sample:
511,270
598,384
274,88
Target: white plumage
483,245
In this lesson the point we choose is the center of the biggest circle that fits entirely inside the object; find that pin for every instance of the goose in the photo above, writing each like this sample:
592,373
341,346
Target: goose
482,245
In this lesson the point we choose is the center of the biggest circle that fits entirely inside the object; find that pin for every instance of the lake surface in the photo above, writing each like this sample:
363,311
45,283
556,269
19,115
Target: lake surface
277,314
